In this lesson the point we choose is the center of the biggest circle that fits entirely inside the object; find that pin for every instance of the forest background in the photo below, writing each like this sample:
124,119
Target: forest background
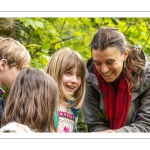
43,36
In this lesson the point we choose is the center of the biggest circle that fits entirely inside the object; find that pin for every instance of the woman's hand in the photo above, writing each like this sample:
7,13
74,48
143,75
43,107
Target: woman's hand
108,131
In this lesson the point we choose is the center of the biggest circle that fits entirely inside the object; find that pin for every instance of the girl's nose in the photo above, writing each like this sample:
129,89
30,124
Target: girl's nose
74,78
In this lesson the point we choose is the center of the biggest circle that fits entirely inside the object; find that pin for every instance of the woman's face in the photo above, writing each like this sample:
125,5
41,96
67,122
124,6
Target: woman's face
109,62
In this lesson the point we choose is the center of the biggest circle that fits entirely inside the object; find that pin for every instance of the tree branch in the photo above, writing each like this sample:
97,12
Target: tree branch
146,41
62,40
63,25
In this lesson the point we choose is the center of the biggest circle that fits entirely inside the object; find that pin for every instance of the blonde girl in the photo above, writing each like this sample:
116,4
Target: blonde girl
67,68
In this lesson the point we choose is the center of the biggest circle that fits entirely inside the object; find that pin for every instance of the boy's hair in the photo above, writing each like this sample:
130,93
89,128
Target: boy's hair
14,52
32,100
64,60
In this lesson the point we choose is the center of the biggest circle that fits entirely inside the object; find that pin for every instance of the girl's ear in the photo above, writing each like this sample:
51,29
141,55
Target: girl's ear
3,63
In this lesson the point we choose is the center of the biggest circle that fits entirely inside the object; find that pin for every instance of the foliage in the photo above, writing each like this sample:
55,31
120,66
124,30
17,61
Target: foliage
43,36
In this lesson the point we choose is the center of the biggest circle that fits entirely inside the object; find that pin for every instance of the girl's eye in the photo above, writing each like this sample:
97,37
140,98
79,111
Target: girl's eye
68,73
78,75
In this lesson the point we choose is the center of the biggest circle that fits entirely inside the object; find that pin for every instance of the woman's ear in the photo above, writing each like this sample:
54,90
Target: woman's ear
126,53
3,63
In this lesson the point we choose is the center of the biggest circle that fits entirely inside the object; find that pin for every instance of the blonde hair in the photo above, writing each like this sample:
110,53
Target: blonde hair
32,100
14,52
64,60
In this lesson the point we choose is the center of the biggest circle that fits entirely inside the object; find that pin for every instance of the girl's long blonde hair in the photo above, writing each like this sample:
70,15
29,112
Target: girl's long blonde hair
64,60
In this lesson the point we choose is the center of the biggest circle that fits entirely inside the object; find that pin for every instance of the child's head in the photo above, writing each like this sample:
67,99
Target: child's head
67,62
32,100
13,57
14,127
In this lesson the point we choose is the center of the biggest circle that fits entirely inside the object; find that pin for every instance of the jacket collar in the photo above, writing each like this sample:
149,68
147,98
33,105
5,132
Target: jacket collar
90,76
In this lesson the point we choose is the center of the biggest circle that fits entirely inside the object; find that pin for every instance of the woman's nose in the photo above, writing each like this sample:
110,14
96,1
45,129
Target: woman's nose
104,69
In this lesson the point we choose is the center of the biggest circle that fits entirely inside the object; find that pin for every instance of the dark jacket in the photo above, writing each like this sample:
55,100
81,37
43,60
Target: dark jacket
1,104
94,113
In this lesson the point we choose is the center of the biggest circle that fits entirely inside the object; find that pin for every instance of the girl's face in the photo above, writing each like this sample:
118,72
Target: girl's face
71,81
109,63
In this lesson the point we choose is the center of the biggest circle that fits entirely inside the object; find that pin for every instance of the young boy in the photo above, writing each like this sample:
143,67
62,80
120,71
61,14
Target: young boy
13,57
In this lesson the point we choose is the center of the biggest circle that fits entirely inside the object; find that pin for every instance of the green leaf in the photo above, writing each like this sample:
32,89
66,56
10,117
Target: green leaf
45,47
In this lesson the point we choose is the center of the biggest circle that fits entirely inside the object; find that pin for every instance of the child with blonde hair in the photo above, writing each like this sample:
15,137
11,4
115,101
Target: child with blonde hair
32,102
67,68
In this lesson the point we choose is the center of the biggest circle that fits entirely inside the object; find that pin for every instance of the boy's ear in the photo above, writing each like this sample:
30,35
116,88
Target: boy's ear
3,63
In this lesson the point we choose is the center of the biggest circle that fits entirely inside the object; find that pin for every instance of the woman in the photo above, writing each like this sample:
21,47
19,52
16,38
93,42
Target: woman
118,92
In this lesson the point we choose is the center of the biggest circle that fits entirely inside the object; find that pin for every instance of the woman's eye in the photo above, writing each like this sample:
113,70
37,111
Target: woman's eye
97,63
109,62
